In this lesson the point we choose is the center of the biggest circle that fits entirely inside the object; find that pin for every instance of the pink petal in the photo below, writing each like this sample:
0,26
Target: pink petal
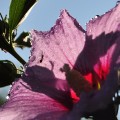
25,104
100,58
61,45
42,92
101,46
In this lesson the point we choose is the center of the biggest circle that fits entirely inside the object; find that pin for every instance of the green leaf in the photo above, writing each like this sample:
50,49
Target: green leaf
19,10
22,41
8,72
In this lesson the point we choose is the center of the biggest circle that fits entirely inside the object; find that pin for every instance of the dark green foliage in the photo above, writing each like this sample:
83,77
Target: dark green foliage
8,31
8,73
22,41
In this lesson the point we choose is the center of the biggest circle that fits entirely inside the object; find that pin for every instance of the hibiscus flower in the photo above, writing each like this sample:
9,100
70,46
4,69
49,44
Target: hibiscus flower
71,72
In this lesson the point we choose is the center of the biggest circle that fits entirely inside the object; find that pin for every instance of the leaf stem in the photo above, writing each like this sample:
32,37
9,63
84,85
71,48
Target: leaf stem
12,51
18,57
10,38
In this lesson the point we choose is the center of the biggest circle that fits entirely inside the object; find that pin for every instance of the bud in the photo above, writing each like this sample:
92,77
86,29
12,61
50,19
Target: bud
8,72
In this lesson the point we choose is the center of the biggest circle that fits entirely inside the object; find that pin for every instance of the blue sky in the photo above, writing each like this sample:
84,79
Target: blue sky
45,13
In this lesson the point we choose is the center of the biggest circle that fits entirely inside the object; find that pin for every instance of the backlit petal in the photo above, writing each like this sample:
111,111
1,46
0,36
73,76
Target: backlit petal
43,92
